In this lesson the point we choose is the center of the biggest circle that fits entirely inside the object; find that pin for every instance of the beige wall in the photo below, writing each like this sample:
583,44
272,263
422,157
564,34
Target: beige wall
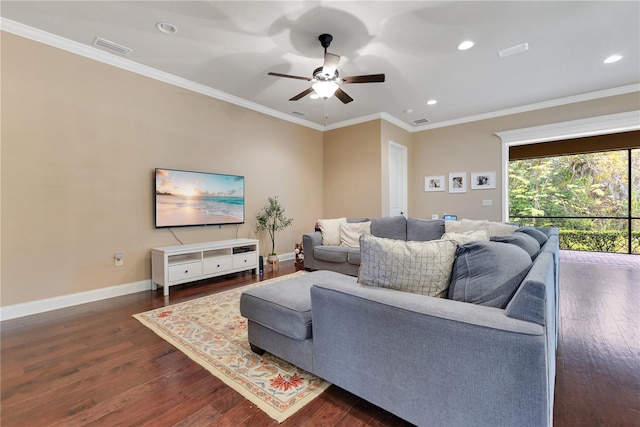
80,141
352,171
356,169
474,147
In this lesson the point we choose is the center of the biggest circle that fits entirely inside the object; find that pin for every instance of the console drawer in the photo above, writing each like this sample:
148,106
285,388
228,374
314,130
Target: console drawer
185,271
245,260
217,265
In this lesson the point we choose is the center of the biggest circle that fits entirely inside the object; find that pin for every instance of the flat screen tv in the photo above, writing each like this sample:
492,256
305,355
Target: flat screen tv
186,198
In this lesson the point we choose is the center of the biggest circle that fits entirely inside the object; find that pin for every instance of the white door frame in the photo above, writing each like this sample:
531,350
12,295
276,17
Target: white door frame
402,149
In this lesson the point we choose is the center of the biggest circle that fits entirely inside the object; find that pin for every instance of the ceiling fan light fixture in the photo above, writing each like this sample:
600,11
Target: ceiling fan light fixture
325,89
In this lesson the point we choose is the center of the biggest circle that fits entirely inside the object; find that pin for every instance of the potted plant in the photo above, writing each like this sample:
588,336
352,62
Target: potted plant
272,219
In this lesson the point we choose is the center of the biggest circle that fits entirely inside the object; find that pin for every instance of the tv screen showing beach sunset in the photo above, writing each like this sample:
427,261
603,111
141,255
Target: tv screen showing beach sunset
197,198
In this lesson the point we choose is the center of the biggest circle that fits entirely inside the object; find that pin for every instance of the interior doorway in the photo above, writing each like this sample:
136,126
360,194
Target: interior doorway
397,179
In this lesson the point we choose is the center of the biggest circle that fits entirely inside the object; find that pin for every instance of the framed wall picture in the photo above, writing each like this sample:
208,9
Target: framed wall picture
483,180
458,182
434,183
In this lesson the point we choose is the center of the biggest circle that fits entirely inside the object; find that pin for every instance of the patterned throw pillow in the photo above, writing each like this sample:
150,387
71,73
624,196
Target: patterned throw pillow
330,229
417,267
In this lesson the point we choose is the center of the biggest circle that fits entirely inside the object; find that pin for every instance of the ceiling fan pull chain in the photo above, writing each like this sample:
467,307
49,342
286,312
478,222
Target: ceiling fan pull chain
326,112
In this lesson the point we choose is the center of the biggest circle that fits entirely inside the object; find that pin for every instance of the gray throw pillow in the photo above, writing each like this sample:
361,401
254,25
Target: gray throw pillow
422,230
535,233
488,273
418,267
390,227
522,240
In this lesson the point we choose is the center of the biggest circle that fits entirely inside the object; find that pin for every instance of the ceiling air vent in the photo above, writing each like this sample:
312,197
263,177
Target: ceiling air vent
299,113
420,121
112,47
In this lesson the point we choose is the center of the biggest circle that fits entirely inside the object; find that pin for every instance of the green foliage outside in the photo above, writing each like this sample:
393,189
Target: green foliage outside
581,185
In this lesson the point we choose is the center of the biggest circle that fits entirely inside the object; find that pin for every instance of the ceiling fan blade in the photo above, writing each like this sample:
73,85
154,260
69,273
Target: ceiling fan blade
371,78
330,64
342,96
289,76
302,94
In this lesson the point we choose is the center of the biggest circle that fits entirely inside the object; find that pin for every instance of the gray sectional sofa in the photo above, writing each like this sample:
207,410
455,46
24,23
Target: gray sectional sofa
431,361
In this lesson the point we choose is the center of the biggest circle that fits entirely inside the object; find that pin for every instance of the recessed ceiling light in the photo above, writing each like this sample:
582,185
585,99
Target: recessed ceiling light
613,58
166,28
314,96
408,111
432,102
467,44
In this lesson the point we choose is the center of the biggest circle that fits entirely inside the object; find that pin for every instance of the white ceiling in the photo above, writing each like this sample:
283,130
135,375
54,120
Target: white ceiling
231,46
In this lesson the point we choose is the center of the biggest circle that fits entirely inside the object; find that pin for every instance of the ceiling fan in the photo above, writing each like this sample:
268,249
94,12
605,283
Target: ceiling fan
326,79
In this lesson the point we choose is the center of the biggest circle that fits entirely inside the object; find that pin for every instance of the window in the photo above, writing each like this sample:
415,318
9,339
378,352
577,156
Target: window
593,198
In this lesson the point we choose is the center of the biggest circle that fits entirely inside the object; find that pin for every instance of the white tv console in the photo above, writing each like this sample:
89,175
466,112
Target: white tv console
173,265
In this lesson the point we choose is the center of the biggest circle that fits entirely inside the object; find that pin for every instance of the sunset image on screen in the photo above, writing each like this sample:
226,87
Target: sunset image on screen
197,198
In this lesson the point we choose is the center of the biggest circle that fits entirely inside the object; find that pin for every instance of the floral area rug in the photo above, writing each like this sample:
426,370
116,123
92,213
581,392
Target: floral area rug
211,331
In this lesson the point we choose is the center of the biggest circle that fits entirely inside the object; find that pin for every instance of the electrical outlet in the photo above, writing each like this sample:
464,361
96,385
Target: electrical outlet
119,259
487,203
434,216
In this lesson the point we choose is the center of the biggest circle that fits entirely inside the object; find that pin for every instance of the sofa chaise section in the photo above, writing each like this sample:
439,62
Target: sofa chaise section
429,360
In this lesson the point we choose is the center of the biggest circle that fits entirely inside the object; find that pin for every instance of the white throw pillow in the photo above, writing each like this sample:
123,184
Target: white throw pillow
465,225
330,229
467,237
350,233
501,229
493,228
417,267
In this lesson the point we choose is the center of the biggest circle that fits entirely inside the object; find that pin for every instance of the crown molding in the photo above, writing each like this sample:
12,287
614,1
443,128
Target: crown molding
129,65
377,116
134,67
394,120
622,90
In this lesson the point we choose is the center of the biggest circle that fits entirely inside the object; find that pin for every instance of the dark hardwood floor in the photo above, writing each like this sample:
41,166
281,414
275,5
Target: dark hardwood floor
94,364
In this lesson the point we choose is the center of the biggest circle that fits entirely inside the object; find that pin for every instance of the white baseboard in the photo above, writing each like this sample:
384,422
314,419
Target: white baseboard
40,306
48,304
286,257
